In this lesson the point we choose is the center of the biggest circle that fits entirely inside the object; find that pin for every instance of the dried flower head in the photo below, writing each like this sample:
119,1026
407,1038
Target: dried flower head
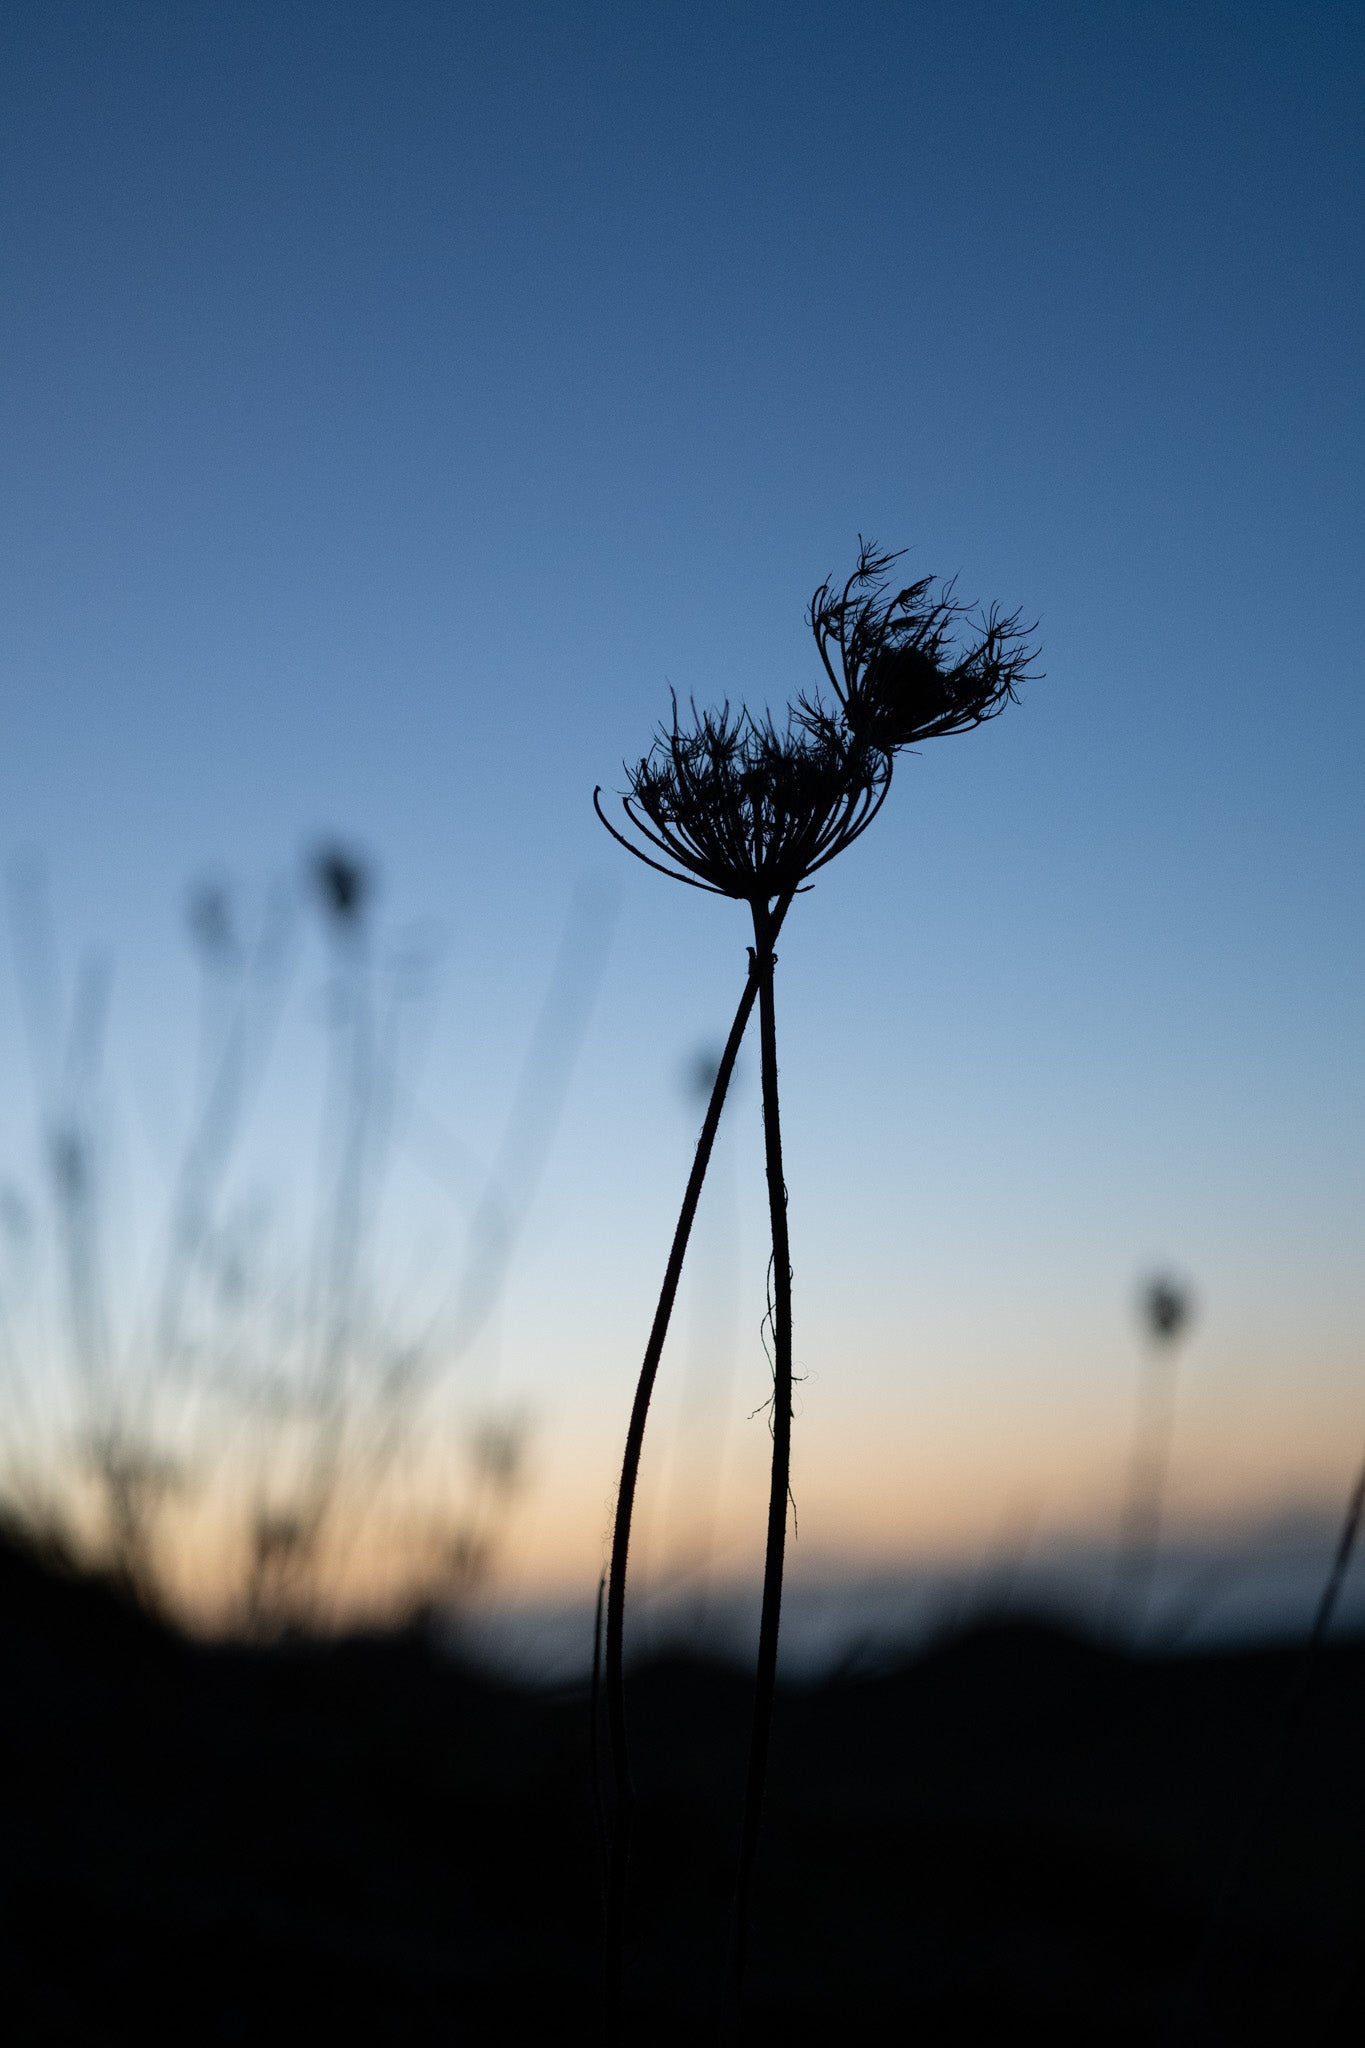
914,664
342,882
1166,1307
744,810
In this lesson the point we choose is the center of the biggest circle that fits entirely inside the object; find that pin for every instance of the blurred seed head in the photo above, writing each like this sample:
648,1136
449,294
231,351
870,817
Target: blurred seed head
1166,1308
699,1073
211,923
466,1558
497,1449
343,883
69,1157
277,1539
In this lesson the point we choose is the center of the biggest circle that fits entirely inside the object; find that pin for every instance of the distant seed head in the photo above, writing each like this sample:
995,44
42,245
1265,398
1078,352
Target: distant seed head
210,920
69,1157
700,1071
343,883
1167,1308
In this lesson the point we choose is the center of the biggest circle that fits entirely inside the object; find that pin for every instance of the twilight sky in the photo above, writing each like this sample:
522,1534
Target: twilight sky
398,399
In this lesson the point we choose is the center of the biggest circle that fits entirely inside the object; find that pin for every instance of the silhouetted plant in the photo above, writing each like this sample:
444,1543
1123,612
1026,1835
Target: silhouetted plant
913,664
730,804
745,810
742,810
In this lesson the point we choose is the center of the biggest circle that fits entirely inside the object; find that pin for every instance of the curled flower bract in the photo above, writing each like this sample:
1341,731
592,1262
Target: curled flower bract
745,810
912,664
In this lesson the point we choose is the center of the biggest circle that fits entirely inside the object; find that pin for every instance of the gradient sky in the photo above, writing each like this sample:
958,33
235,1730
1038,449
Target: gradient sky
398,399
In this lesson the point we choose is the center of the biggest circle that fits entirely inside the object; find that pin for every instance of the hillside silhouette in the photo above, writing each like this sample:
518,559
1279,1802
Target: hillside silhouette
366,1838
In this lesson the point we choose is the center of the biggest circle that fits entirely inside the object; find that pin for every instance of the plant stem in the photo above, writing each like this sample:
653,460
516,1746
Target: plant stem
765,1681
594,1740
624,1797
1149,1466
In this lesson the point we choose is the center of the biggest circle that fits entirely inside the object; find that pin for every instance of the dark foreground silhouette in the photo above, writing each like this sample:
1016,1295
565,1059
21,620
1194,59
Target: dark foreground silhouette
1018,1834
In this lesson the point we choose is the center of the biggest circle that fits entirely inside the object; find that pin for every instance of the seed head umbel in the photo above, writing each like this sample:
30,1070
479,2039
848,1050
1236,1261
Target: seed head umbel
742,809
916,663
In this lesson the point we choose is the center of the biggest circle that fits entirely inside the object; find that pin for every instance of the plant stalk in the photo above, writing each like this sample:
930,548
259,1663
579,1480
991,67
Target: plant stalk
1149,1466
618,1862
765,1682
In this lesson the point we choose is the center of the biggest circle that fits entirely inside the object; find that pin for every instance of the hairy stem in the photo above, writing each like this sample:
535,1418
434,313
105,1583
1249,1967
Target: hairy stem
765,1681
618,1861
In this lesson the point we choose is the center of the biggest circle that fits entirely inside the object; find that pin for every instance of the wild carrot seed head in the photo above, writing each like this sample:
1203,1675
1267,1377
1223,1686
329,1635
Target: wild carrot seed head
912,664
742,809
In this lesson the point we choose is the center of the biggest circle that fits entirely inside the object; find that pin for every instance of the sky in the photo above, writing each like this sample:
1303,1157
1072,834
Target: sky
398,401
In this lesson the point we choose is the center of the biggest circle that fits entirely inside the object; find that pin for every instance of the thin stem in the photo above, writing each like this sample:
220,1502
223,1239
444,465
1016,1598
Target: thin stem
1149,1465
624,1797
595,1738
765,1681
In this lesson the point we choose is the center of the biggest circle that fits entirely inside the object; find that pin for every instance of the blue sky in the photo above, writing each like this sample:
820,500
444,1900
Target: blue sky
398,400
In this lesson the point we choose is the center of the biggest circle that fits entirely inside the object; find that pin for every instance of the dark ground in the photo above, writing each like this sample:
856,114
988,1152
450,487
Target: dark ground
1017,1836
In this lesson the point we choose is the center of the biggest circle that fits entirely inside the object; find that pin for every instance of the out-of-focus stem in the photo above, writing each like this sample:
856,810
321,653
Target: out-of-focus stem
1149,1467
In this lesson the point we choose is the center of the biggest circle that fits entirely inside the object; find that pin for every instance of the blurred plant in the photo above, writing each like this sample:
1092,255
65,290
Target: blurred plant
496,1448
739,808
280,1406
109,1477
1166,1307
